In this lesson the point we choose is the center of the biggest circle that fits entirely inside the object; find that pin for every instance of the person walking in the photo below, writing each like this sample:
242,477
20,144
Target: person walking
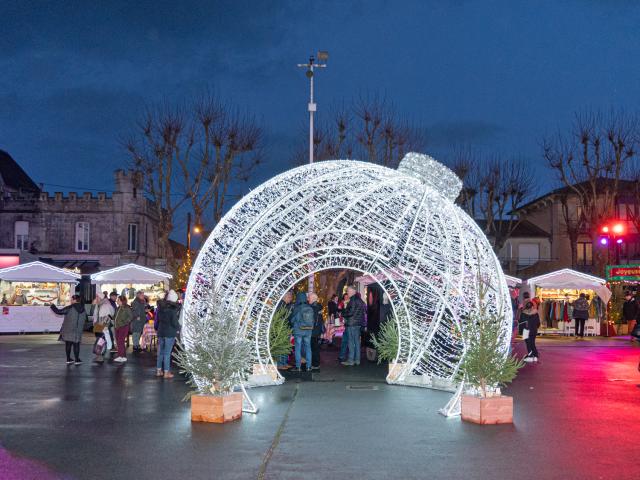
630,311
75,317
316,333
102,315
122,320
168,314
354,321
113,301
139,318
531,322
580,314
302,320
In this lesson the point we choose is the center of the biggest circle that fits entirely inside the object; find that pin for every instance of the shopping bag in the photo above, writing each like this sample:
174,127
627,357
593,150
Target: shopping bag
372,354
107,337
99,346
525,333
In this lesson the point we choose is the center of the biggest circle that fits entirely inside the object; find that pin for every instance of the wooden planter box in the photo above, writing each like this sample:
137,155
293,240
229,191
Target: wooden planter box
216,409
270,370
490,410
394,370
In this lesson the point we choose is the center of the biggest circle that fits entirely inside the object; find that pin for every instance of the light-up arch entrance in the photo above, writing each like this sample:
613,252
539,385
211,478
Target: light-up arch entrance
400,226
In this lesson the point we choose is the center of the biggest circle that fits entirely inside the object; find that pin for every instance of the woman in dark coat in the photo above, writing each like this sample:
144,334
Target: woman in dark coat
168,315
75,318
531,320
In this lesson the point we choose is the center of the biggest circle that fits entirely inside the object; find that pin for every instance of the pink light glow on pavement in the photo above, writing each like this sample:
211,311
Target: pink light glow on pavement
16,468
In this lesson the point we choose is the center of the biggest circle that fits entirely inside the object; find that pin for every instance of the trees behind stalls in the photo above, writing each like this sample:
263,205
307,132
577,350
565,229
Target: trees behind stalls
591,160
193,152
494,188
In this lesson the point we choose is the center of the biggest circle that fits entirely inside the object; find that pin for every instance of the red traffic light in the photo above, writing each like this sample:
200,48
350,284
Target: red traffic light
605,229
618,228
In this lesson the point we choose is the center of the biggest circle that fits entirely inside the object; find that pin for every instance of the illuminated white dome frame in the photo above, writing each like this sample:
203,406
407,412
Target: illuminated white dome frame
368,218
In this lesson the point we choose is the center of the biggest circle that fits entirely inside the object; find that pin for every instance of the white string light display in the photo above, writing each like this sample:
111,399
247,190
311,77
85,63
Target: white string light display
401,226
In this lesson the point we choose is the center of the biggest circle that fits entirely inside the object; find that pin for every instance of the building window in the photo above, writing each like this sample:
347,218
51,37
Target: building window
585,253
22,235
82,236
132,238
528,254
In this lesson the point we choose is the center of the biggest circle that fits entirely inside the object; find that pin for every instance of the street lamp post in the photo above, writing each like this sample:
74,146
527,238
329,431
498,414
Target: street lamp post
323,56
188,231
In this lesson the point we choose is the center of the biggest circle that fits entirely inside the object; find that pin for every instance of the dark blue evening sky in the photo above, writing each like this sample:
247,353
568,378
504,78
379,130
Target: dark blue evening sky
494,74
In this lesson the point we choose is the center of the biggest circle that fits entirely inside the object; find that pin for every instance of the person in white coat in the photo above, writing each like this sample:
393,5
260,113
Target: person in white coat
102,316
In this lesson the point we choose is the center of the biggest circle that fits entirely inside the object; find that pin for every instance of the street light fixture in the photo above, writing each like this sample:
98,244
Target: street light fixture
322,56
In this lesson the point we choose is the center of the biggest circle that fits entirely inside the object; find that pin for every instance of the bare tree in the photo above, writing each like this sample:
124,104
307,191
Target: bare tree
193,152
370,129
493,190
590,161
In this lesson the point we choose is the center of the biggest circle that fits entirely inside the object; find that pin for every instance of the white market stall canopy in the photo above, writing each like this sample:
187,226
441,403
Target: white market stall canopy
570,279
38,272
380,277
512,281
130,273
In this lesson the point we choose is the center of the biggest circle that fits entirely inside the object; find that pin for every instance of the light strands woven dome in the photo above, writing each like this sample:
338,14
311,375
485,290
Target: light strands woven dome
398,225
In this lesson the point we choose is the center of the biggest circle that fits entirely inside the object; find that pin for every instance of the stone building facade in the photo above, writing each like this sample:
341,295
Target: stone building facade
85,231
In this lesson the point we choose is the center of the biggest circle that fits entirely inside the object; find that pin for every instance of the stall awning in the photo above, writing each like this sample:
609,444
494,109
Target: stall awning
570,279
38,272
567,278
130,273
512,281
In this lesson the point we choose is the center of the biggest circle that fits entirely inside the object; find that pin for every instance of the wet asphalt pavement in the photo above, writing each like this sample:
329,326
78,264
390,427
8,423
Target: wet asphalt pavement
577,416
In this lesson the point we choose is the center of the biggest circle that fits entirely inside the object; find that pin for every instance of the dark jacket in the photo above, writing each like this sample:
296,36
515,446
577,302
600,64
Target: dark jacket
168,315
122,317
318,325
581,309
531,321
333,308
630,310
139,315
297,315
354,313
75,317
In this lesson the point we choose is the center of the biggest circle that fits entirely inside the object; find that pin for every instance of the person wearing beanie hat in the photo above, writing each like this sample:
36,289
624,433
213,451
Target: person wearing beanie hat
168,315
172,296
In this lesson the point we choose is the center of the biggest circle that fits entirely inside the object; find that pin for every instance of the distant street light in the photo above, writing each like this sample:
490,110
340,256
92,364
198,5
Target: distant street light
323,56
197,229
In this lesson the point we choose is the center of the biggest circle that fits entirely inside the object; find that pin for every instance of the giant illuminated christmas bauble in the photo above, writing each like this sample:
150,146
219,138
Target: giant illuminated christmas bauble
400,226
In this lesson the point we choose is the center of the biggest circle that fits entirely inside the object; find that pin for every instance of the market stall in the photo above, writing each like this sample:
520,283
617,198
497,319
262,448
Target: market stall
128,279
620,280
558,290
28,290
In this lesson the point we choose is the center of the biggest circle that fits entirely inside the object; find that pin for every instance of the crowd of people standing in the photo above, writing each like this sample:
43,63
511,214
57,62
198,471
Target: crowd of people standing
114,320
310,328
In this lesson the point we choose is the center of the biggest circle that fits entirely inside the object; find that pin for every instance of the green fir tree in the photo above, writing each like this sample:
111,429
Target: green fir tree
214,354
280,334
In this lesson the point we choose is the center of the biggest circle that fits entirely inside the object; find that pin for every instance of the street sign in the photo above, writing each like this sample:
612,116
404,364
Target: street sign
623,273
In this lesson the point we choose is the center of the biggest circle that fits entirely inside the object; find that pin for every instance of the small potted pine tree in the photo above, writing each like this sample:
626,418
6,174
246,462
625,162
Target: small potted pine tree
215,358
386,343
279,343
486,367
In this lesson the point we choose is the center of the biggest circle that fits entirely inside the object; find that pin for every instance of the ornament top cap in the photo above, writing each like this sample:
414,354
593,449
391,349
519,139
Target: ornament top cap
432,173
